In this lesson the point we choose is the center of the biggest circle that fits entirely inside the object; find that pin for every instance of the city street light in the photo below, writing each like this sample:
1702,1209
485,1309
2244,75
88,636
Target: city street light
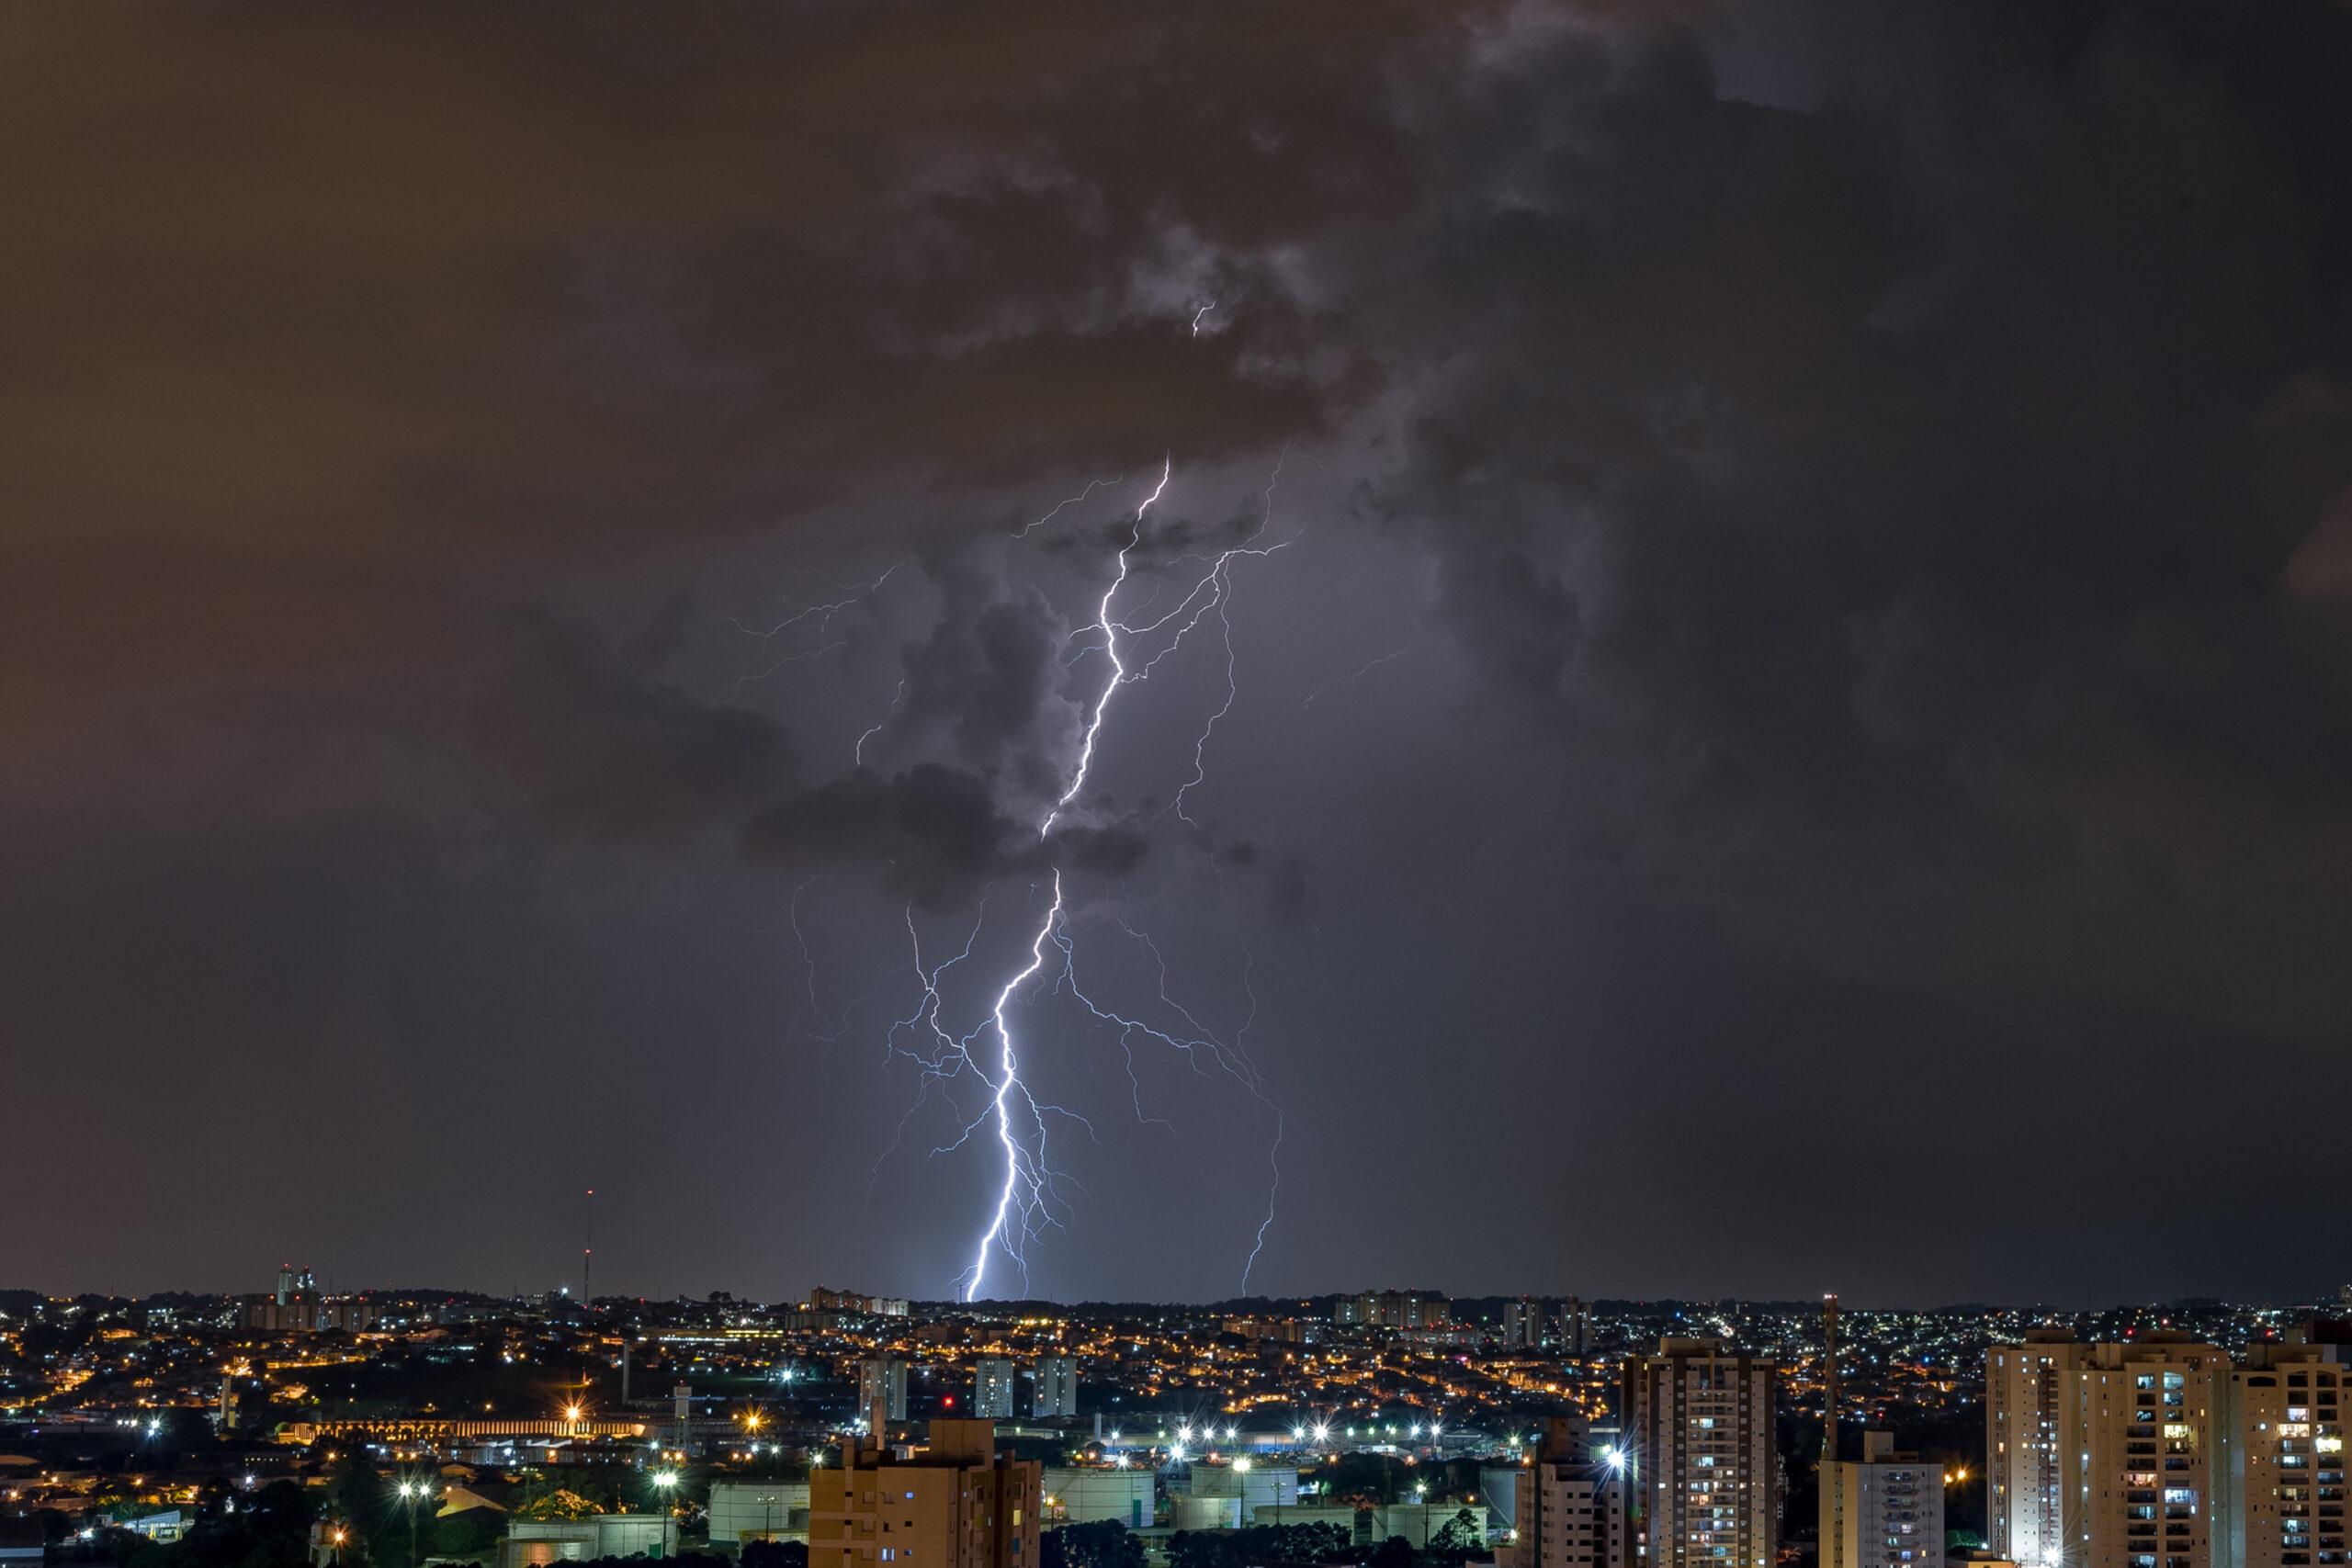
412,1491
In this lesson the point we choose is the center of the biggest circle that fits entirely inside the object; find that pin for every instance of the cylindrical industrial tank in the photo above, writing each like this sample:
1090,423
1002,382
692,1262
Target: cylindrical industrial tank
1197,1513
1268,1484
1090,1494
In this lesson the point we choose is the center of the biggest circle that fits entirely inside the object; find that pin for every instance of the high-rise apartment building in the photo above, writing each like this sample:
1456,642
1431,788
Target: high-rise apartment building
1885,1511
2027,1390
994,1378
882,1383
1698,1420
1569,1504
1056,1386
2278,1485
2101,1456
953,1505
1522,1322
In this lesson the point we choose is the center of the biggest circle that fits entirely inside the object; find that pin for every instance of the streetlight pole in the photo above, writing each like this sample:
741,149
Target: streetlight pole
412,1490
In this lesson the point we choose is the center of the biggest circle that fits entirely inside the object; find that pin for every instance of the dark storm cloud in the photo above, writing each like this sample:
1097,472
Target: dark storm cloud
986,682
1888,465
933,832
1922,477
603,751
441,289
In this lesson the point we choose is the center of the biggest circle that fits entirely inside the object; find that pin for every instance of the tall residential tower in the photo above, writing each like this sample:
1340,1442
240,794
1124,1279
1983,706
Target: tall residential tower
1699,1423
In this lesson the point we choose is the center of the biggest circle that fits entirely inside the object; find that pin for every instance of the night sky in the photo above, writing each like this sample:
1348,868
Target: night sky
1790,723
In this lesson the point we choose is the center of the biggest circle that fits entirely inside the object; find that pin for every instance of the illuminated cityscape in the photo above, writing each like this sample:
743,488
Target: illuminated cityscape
1339,1429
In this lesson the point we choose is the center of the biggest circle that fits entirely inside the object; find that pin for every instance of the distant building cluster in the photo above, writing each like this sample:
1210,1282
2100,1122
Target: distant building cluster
1544,1431
298,1307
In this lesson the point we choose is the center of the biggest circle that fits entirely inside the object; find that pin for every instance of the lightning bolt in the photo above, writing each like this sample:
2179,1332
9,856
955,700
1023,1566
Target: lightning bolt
1016,1157
858,756
1219,575
1010,1117
1355,674
1091,486
1110,648
759,667
1023,1188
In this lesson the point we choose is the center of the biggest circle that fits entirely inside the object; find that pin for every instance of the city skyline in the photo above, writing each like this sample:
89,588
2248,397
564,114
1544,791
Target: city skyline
1390,1430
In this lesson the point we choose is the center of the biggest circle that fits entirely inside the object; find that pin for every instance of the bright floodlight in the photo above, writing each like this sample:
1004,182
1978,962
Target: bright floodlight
1416,1428
664,1479
1322,1432
1299,1434
571,1413
1184,1429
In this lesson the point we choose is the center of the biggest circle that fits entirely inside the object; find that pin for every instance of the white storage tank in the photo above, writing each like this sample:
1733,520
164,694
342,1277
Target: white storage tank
744,1511
1193,1512
1267,1486
1097,1493
1499,1487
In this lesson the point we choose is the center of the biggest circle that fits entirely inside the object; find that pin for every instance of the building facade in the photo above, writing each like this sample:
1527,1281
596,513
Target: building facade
1056,1386
994,1381
1522,1323
2101,1456
297,1306
1394,1309
1885,1511
2279,1474
1569,1505
1699,1424
952,1505
882,1381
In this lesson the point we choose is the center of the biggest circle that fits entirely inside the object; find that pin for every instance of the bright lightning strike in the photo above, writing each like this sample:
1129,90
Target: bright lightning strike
1029,1190
1111,647
1023,1173
1016,1157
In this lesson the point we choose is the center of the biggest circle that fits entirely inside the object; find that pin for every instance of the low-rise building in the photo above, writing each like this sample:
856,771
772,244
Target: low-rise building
1885,1511
950,1504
